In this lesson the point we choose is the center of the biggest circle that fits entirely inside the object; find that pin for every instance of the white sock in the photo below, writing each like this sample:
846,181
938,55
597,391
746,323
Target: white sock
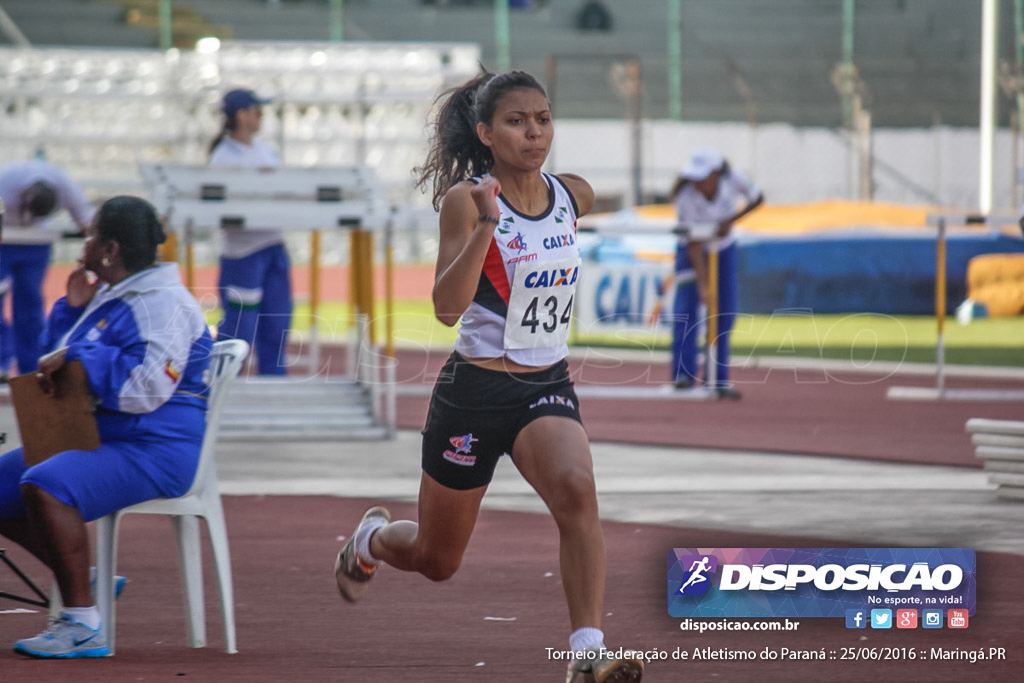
363,535
586,638
86,616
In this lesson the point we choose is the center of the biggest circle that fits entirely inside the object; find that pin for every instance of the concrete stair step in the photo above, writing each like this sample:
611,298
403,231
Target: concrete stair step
292,396
304,433
331,416
297,409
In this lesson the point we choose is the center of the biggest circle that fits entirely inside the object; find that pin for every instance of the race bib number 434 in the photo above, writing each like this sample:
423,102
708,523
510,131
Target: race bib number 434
540,307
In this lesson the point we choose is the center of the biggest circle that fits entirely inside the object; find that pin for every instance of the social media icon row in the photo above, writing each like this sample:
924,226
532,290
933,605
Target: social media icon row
905,618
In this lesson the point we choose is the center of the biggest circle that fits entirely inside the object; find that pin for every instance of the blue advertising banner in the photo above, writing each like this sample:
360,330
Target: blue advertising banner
818,582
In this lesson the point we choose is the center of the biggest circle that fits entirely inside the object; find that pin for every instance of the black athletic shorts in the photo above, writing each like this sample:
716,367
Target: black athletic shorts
476,414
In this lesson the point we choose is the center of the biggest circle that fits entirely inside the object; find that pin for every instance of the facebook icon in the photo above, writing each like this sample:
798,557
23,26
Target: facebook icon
856,618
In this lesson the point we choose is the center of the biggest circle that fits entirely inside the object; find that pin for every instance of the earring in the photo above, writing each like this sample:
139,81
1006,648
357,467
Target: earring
105,262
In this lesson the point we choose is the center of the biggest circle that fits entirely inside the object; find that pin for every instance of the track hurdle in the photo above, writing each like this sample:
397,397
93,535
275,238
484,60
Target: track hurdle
199,200
940,392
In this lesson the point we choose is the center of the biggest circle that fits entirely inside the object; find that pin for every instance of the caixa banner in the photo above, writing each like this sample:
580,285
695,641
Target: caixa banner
817,582
622,296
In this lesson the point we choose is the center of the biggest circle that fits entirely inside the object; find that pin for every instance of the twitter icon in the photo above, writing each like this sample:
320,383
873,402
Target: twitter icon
881,618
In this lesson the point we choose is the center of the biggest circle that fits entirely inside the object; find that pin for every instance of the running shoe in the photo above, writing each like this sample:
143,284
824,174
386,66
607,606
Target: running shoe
728,393
65,639
604,668
353,575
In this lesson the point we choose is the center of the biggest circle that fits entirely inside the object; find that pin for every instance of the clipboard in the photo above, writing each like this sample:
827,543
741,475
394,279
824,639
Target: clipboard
50,425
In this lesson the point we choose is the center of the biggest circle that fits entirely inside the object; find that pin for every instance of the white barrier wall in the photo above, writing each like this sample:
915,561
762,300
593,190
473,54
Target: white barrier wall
938,165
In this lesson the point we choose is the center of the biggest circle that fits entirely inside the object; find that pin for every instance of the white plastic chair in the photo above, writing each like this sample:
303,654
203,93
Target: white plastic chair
202,500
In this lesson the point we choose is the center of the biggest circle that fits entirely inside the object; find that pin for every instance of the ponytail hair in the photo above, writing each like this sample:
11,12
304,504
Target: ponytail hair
230,124
677,187
456,152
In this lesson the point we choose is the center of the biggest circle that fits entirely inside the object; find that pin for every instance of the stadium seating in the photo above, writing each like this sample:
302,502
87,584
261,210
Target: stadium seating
918,60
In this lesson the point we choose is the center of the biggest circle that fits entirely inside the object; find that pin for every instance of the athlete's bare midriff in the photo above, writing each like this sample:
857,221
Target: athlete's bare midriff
503,364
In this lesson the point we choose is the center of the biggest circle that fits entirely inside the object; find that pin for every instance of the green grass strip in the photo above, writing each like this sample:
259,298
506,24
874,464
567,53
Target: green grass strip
861,337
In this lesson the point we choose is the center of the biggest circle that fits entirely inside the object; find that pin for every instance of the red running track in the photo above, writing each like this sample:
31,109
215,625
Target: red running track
493,622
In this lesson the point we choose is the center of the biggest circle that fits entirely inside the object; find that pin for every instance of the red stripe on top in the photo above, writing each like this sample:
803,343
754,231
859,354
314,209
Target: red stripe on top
494,271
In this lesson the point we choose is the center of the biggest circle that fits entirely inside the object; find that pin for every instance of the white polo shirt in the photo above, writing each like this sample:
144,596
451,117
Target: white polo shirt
231,152
693,208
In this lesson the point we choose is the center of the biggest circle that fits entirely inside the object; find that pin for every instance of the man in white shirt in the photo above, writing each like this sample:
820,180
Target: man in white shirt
708,194
31,191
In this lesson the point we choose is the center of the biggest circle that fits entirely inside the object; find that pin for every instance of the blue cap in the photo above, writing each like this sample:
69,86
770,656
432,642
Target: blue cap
237,100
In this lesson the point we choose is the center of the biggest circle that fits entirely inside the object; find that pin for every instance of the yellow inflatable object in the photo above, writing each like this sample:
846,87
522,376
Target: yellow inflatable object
833,214
997,280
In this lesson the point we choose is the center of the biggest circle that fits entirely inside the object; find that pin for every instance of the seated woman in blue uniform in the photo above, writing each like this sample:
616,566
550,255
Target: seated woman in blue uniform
145,346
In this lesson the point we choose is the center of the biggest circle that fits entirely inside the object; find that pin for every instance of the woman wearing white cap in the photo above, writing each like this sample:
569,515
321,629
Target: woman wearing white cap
255,285
707,193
